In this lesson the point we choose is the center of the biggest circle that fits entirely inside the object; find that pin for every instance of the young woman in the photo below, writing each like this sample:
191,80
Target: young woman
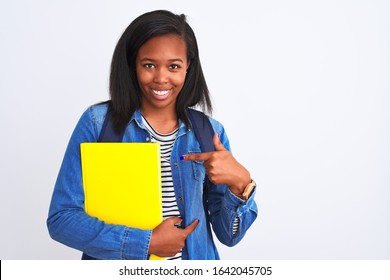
155,76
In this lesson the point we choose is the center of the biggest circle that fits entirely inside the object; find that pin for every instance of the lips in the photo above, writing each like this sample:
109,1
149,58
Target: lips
161,92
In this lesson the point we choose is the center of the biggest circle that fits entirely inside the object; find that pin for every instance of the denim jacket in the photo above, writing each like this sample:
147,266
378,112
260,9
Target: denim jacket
69,224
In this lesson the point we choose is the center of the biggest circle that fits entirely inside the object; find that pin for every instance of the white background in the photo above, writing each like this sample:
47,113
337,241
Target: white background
302,88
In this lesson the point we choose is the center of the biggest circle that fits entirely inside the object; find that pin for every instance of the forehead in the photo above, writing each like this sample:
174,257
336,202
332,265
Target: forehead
163,47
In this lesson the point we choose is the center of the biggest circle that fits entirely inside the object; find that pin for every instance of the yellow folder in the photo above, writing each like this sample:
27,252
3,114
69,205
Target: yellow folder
122,183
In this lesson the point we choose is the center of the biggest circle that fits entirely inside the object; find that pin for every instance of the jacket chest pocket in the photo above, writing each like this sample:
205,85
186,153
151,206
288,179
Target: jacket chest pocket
198,169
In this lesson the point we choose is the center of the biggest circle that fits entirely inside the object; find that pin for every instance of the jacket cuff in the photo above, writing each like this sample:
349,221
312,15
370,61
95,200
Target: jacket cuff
237,204
136,244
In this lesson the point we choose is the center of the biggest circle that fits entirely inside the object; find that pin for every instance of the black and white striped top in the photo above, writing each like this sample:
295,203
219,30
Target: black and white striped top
169,204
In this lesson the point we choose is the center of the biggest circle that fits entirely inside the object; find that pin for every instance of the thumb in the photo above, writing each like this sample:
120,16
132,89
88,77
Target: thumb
217,143
188,230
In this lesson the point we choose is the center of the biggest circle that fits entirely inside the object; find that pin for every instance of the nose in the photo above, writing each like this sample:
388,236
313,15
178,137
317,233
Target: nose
161,76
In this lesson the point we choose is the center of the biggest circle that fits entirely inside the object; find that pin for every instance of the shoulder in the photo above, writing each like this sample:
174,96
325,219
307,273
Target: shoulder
92,119
199,115
217,126
98,112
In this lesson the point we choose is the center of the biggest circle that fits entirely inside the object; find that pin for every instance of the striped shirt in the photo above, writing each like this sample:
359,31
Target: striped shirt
169,204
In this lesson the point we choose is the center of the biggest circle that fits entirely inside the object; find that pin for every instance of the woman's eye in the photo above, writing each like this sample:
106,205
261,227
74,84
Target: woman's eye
149,65
174,66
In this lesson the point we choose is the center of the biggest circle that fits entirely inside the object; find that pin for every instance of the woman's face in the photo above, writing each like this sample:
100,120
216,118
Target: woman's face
161,66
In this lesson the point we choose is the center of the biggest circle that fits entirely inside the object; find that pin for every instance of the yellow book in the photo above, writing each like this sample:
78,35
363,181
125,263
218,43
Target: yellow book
122,183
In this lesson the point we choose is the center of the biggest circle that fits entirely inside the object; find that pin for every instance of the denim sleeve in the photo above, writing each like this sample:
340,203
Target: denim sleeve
67,221
224,206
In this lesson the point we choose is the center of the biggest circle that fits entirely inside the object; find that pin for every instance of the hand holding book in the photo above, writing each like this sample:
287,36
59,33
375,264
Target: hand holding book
167,239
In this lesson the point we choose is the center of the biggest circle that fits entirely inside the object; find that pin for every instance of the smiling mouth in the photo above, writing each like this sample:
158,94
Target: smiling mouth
161,92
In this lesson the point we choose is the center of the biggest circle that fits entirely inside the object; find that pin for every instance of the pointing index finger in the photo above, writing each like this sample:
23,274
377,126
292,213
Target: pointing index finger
200,156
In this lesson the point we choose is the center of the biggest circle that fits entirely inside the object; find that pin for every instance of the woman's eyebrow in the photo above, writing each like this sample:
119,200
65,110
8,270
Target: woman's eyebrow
175,59
170,60
147,59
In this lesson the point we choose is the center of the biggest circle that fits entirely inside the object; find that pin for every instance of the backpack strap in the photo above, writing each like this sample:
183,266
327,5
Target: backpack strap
108,132
204,133
203,130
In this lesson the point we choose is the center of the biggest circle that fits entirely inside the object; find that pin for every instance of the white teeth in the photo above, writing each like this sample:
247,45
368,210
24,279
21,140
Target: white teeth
160,92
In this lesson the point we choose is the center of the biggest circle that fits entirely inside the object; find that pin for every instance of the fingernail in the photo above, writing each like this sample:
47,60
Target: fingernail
198,221
182,157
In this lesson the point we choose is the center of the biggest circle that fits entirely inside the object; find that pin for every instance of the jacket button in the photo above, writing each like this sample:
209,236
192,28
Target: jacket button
176,164
180,198
147,139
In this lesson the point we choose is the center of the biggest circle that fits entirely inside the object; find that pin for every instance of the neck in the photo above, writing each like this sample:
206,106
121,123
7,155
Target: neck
162,121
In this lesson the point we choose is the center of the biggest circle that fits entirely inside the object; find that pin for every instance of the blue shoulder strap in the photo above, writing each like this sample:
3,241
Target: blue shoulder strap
108,133
203,130
204,133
